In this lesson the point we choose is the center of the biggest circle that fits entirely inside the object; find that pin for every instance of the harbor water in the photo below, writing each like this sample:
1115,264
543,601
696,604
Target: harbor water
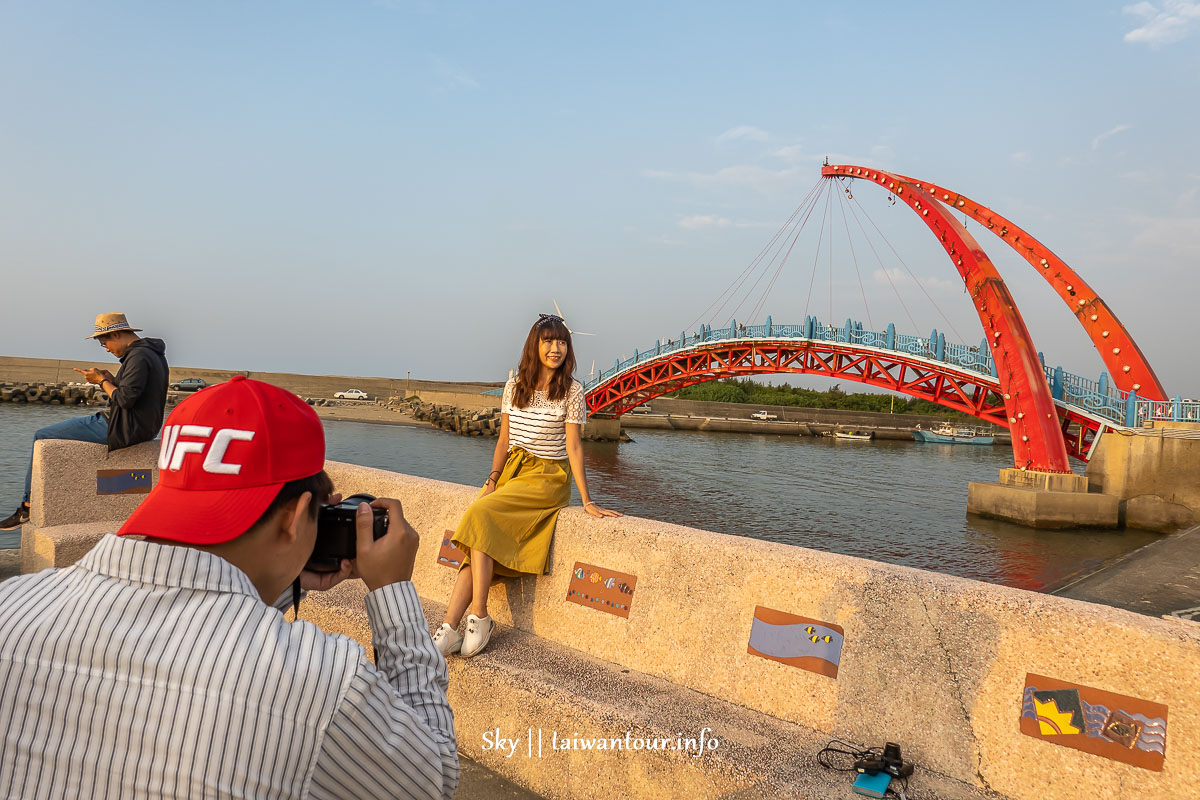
897,502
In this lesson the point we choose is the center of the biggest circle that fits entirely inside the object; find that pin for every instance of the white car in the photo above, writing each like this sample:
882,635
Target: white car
763,415
351,394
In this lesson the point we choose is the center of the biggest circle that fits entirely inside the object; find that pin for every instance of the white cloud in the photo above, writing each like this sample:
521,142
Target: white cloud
901,279
704,221
743,132
1179,237
1096,142
743,175
882,152
791,153
700,221
452,77
1019,158
1170,23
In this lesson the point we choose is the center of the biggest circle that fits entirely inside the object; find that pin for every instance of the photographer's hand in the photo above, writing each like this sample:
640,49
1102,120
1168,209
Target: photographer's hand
390,558
324,581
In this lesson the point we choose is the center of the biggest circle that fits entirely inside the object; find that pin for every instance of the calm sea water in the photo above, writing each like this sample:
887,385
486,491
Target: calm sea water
890,501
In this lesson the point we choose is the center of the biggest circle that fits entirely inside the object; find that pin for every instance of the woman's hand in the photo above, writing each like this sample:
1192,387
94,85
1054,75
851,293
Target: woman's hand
488,488
597,511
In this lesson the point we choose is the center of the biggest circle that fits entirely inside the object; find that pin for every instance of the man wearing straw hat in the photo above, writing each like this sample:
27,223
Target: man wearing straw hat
137,395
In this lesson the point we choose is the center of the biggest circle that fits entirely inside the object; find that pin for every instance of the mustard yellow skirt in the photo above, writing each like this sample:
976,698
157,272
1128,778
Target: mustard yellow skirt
515,523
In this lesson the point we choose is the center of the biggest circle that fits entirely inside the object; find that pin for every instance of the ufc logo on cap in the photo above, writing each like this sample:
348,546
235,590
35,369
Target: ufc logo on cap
173,451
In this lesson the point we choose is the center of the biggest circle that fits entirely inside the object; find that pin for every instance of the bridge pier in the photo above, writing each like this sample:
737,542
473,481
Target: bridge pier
1154,472
602,429
1043,500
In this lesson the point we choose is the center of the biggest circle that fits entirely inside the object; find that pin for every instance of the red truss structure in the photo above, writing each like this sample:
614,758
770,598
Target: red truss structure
938,382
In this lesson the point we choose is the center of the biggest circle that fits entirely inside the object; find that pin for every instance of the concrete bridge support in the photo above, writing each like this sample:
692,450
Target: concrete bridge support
1153,472
1146,478
1042,500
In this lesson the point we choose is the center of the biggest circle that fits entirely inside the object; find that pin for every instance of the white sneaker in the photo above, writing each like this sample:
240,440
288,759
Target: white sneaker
447,640
479,630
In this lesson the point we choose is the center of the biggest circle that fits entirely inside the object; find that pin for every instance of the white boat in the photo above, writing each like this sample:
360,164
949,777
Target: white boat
951,434
854,436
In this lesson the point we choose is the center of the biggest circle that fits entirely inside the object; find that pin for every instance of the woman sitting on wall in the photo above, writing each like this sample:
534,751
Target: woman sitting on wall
507,530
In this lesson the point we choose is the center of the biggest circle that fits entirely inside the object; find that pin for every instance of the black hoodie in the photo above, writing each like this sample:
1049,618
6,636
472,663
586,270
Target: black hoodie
135,408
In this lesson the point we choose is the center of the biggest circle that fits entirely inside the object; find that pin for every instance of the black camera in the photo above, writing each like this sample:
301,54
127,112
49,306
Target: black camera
337,533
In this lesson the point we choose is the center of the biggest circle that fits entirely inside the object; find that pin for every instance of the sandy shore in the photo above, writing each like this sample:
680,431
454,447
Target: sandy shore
368,413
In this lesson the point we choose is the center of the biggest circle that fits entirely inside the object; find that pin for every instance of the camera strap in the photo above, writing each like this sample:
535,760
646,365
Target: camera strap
296,597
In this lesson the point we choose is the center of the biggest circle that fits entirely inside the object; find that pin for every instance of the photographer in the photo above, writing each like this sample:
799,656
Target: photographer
154,667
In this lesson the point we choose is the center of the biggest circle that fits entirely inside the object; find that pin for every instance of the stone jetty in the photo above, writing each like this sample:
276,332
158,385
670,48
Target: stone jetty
57,394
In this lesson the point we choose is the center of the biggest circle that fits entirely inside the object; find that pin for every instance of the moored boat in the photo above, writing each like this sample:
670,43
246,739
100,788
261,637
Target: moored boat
951,434
854,436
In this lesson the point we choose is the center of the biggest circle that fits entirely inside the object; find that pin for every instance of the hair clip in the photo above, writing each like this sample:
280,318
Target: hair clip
545,318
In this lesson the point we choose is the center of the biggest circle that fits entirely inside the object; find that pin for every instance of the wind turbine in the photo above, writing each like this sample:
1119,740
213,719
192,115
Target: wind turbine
560,315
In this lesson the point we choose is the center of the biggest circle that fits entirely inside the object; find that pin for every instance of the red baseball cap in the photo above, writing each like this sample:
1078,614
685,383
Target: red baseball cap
225,453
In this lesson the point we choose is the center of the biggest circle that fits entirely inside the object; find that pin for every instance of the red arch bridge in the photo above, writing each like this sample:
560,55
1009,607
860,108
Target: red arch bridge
1050,413
959,377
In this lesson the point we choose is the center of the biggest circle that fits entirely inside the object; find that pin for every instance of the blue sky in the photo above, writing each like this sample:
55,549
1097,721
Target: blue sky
383,187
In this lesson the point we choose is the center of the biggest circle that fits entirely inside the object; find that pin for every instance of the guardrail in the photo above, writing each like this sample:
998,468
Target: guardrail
1099,398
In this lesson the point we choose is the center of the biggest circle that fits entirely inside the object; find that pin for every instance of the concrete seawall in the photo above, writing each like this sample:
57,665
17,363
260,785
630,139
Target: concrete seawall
937,663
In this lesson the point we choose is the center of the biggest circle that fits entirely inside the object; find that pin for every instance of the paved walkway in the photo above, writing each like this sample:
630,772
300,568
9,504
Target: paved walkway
1160,579
477,782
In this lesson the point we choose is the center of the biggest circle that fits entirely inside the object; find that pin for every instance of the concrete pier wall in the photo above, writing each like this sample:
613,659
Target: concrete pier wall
935,662
1154,473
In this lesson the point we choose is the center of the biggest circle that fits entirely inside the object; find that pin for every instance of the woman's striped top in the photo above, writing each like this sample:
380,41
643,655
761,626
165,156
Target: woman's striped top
541,427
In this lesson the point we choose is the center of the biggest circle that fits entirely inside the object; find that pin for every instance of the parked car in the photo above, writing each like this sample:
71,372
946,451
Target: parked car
763,415
351,394
189,385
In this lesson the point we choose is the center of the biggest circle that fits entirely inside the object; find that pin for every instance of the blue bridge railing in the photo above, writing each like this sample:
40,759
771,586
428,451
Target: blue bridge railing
1099,397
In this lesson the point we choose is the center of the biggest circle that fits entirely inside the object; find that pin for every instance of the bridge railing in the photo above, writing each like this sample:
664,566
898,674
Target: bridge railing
1097,397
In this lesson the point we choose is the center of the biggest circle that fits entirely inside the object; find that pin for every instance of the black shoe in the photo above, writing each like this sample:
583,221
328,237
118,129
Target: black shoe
18,518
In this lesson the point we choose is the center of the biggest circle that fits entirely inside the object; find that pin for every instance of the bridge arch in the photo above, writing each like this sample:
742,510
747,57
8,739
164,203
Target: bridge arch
1029,406
1121,355
925,379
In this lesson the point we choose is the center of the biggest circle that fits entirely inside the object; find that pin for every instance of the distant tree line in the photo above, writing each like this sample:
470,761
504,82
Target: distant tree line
732,390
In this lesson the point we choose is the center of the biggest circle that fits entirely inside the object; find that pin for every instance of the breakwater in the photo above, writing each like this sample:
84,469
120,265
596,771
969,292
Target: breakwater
473,421
56,394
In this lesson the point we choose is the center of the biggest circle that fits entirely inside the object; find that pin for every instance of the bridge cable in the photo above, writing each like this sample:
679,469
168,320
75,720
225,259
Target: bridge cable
920,285
741,277
816,260
854,258
762,300
799,228
883,268
813,196
832,319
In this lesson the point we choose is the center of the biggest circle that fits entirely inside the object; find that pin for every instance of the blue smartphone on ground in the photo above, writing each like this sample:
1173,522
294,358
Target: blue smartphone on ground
872,785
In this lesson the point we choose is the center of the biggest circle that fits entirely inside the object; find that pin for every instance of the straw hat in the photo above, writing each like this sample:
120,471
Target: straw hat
111,323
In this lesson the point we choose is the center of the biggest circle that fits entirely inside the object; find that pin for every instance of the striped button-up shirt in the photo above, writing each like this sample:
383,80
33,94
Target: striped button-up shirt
156,671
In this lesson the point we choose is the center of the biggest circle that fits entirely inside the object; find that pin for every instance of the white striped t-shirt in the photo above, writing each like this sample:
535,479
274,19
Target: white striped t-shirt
541,427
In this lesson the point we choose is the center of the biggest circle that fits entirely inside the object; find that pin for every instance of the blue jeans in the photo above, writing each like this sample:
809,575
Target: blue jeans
80,429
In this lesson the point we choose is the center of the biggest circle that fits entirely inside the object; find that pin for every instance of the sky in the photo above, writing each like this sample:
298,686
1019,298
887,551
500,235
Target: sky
383,188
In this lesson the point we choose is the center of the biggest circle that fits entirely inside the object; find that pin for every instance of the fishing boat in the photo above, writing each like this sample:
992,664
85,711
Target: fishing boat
854,436
952,434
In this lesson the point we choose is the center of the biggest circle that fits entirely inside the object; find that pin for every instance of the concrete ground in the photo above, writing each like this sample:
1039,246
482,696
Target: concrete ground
1160,579
477,782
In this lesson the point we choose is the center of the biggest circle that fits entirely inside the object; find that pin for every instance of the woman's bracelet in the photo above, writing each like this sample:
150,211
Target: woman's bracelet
588,503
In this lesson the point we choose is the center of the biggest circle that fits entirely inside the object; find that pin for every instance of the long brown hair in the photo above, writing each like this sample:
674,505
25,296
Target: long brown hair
529,371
